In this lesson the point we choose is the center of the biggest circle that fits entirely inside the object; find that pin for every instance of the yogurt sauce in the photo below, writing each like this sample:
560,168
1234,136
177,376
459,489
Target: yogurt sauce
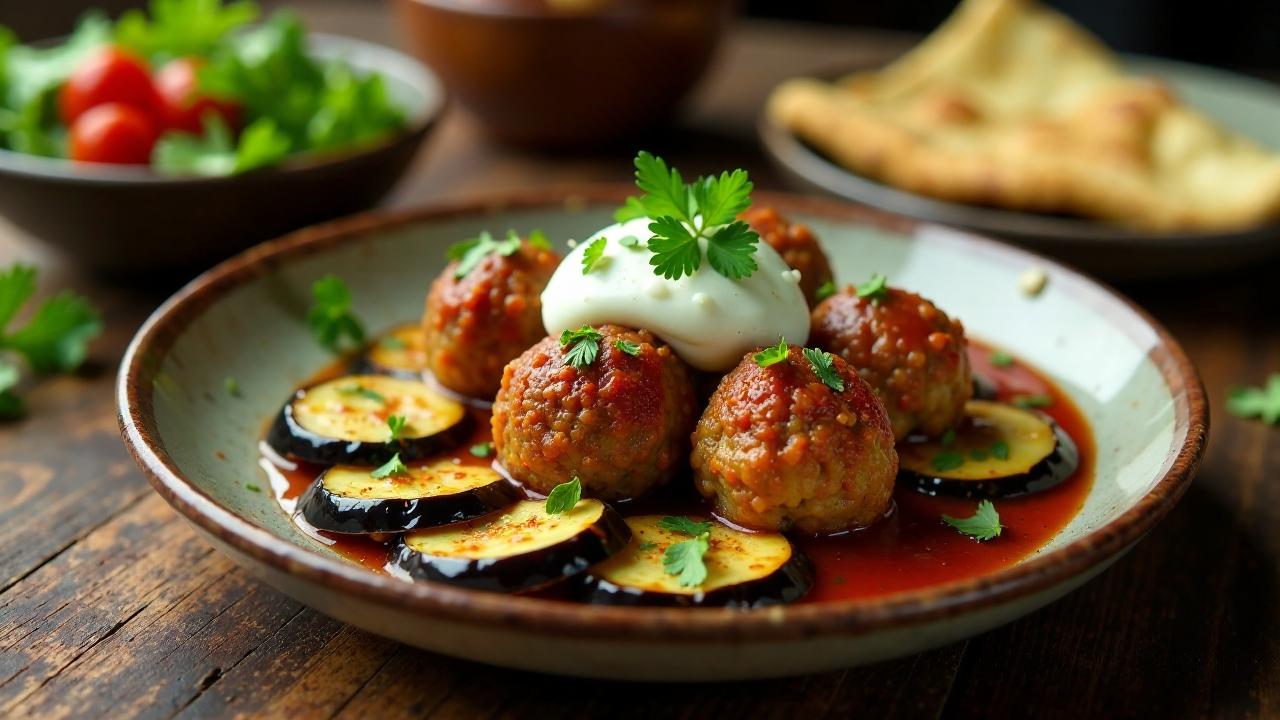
709,320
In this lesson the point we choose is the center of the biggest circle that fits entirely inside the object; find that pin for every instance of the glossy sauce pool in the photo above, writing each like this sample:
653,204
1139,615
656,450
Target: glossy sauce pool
910,549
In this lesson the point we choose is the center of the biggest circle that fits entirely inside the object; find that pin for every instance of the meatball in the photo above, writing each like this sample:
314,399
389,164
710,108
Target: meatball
475,324
797,246
911,353
778,449
620,424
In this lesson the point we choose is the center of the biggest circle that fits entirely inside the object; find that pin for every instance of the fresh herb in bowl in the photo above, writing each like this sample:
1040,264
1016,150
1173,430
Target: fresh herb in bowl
189,89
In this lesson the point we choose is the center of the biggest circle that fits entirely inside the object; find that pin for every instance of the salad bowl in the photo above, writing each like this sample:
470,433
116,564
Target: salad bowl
245,319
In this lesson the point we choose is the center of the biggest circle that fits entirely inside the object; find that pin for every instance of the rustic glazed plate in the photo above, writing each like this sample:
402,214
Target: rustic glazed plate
244,319
1250,107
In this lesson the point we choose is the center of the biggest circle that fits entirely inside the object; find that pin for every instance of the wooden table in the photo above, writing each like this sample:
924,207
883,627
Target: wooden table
110,605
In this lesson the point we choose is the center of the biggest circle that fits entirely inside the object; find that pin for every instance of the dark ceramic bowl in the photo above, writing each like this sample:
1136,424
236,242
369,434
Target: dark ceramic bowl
129,222
560,74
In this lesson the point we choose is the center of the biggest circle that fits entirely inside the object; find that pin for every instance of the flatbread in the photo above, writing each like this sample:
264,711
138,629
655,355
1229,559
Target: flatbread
1011,104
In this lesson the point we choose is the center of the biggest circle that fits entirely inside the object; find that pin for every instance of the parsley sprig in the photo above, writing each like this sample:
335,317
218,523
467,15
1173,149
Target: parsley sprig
395,424
825,290
593,256
583,344
683,215
394,466
331,317
771,355
1262,403
824,366
564,497
685,559
983,525
626,346
874,289
471,252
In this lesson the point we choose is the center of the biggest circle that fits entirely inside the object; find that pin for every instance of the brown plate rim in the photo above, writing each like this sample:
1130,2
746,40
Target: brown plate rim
550,617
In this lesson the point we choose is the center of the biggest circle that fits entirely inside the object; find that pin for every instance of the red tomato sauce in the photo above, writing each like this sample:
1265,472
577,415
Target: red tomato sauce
910,549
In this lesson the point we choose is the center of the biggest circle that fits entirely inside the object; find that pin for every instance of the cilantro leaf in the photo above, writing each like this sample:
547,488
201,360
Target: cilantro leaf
584,345
470,253
1000,450
948,437
664,188
394,466
627,347
1001,359
675,250
685,560
1262,403
17,285
730,250
631,242
538,240
331,318
395,424
57,336
593,256
364,392
825,290
947,460
482,450
231,386
684,525
824,367
182,27
983,525
875,289
215,154
771,355
564,497
1035,400
721,199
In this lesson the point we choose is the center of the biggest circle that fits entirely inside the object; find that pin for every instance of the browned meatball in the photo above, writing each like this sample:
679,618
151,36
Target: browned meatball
797,246
620,424
477,323
778,449
911,353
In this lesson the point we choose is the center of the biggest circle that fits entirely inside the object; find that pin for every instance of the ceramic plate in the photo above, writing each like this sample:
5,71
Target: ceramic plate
1250,107
244,319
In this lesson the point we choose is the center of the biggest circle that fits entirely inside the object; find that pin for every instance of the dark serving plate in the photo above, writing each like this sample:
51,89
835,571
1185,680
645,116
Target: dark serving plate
130,222
1249,106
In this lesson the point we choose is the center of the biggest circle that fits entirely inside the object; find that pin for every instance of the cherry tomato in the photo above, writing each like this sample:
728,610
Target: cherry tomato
113,133
181,104
109,75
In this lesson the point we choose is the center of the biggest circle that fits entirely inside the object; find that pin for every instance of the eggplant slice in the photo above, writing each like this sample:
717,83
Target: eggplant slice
399,353
348,499
344,422
744,570
997,451
518,549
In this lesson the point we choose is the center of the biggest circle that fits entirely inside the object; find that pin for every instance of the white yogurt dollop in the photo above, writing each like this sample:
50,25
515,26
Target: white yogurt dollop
709,320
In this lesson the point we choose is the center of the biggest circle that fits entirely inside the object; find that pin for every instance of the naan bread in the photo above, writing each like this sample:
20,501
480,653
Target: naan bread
1011,104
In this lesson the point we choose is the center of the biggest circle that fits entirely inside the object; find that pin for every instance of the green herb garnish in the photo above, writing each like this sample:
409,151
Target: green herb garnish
825,290
875,289
685,559
631,242
684,525
771,355
364,392
984,525
947,460
1036,400
583,344
948,437
252,488
216,153
682,215
182,27
1001,359
593,256
646,546
393,467
626,346
1262,403
231,386
331,318
824,367
482,450
396,424
538,240
470,253
1000,450
564,497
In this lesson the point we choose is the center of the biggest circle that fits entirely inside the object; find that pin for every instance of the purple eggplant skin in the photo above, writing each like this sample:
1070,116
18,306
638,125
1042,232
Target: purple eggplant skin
364,364
527,572
288,438
787,584
326,510
1054,469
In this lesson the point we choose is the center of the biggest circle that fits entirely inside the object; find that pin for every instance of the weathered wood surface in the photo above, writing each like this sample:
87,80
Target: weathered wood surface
111,606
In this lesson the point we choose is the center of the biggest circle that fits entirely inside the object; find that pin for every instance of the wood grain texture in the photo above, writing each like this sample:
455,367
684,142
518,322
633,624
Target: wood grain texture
111,606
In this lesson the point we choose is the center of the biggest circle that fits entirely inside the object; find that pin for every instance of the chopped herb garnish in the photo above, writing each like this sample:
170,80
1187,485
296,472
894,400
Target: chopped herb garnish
685,559
684,525
627,347
948,437
57,335
583,344
538,240
979,454
984,525
391,342
771,355
1001,359
1000,450
482,450
631,242
470,253
684,214
252,488
232,386
1262,403
875,289
564,497
593,256
393,467
1036,400
396,424
947,460
364,392
825,290
331,318
824,367
646,546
